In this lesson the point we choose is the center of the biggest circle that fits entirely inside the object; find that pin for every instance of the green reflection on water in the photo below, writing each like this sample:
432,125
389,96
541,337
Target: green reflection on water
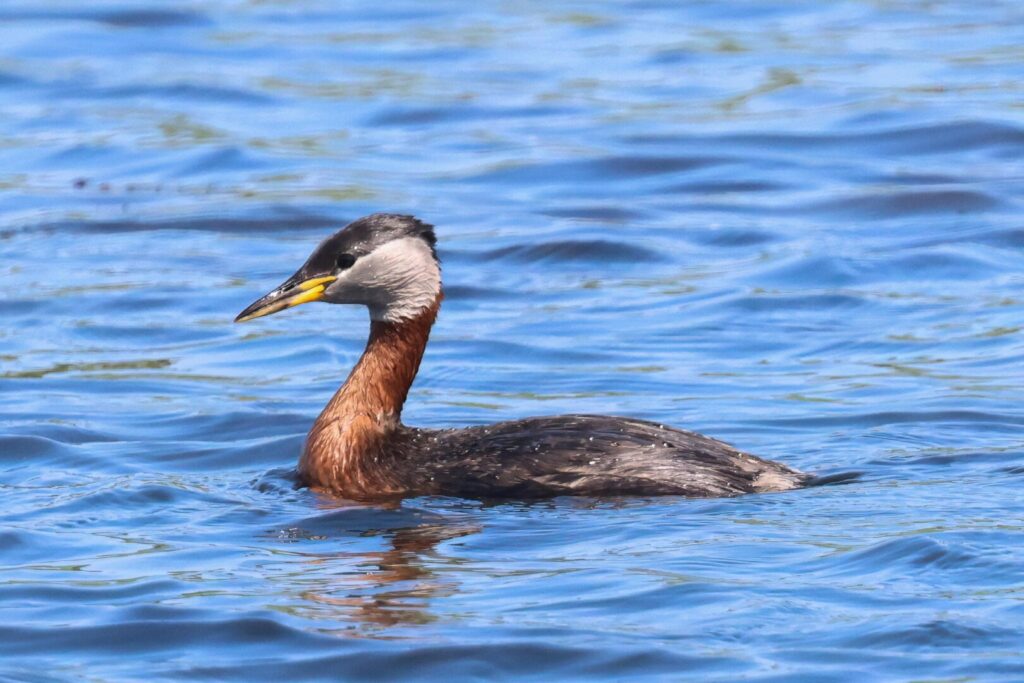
63,368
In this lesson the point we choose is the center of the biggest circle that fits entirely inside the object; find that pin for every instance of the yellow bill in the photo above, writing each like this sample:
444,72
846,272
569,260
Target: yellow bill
286,296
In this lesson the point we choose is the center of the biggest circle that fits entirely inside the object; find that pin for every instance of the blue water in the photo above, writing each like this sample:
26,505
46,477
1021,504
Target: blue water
795,226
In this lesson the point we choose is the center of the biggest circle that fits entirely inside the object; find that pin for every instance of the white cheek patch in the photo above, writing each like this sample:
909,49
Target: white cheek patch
396,281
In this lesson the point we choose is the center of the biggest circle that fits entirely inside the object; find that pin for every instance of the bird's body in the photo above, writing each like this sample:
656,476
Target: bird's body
358,447
541,457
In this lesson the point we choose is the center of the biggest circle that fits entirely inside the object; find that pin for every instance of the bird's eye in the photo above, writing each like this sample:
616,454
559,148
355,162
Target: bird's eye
345,261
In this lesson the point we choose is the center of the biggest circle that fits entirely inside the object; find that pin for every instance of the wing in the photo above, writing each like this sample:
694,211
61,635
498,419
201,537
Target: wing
595,455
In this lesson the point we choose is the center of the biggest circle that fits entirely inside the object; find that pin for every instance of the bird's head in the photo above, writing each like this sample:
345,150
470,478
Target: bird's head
385,262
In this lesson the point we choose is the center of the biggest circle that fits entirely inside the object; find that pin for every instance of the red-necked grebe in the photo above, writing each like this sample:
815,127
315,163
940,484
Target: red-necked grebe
358,447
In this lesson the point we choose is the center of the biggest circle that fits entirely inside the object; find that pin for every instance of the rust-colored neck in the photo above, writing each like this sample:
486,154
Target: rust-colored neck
380,381
346,451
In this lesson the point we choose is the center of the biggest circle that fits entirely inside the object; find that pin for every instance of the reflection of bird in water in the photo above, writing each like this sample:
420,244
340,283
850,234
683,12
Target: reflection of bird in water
358,447
394,586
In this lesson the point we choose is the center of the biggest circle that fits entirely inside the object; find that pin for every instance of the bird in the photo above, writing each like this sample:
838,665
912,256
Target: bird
359,449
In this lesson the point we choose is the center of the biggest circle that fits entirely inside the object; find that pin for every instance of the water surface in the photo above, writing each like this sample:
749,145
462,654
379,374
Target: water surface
794,226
